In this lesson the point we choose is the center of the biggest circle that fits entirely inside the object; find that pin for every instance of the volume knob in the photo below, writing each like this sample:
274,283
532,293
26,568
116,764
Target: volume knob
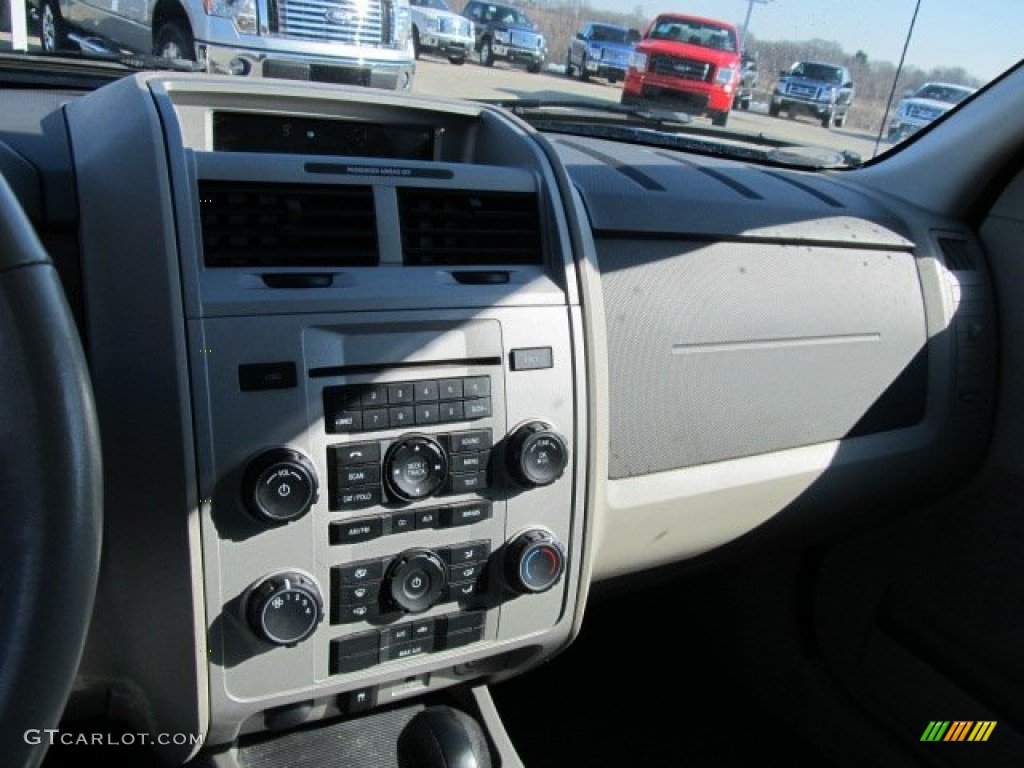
279,486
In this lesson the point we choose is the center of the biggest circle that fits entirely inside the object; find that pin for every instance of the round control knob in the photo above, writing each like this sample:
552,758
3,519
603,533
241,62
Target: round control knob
415,467
285,608
534,562
536,455
279,486
415,580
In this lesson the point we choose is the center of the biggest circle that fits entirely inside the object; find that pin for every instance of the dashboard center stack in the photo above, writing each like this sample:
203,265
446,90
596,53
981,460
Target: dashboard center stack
378,306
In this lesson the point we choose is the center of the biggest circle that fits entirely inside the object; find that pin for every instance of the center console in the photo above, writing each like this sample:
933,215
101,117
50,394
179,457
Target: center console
356,316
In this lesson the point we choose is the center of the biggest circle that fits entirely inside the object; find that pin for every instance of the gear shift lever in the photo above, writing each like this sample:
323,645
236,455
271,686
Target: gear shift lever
443,737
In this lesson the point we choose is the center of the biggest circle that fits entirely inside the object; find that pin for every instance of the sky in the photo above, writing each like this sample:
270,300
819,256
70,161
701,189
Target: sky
984,37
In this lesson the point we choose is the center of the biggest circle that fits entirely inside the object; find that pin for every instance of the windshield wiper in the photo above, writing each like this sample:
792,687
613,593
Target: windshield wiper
666,128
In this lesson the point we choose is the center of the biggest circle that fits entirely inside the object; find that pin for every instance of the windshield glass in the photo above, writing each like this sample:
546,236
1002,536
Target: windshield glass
813,71
950,94
822,74
693,32
600,33
505,15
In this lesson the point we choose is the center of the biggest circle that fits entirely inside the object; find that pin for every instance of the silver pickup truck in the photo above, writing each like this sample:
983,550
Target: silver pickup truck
352,42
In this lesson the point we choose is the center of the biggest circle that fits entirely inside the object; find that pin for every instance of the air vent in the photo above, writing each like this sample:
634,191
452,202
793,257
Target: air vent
286,225
467,228
958,254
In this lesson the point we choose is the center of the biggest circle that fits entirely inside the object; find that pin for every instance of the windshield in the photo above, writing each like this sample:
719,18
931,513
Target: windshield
506,15
599,33
950,94
822,72
693,33
830,74
439,5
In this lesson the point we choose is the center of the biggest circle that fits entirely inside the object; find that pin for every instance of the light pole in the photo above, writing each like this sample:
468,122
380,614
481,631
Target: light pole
746,23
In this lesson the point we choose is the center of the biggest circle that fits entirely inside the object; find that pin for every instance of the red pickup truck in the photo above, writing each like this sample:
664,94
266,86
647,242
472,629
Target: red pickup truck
690,63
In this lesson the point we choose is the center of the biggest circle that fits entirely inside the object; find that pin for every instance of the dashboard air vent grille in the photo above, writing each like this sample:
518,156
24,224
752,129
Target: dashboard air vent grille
958,254
462,227
285,225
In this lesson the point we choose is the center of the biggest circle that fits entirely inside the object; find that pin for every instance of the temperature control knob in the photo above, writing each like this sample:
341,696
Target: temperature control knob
416,580
279,486
534,562
536,455
285,608
415,467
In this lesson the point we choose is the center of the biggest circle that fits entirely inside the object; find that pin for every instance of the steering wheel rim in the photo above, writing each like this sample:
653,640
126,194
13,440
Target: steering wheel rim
51,486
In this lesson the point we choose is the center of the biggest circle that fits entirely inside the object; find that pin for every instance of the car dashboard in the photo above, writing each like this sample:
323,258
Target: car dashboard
386,384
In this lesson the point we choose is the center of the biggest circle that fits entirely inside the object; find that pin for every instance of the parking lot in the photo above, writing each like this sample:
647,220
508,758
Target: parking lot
438,77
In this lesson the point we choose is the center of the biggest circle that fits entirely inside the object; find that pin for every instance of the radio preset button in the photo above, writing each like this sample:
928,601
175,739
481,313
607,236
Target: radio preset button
451,411
476,386
399,393
373,395
426,390
451,388
375,419
428,414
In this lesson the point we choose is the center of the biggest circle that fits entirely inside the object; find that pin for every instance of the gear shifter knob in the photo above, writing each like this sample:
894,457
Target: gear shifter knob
443,737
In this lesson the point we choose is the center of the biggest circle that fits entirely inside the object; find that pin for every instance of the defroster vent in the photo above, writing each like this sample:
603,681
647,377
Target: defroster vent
469,228
958,254
286,225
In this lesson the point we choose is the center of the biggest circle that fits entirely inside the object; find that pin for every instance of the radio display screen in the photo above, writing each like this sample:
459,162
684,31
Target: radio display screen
296,134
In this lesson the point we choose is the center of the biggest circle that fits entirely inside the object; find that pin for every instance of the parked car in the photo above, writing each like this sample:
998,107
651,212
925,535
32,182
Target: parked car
689,63
601,50
438,29
928,103
747,82
505,33
822,90
367,44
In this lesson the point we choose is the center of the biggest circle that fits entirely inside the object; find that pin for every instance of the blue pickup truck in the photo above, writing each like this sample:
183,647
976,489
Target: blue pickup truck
600,50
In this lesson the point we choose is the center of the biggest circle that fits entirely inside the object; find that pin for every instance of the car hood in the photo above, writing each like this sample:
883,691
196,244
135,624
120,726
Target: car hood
929,104
516,27
687,51
610,45
811,82
435,13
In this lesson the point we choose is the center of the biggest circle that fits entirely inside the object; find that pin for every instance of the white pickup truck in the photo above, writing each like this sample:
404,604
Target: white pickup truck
352,42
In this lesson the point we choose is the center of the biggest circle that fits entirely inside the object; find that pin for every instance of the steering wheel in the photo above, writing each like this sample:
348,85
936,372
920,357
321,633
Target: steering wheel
50,489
